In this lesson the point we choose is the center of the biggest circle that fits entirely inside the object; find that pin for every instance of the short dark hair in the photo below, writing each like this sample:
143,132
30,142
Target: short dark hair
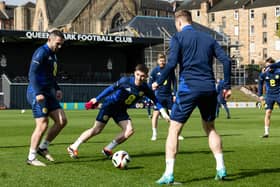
183,13
57,33
161,55
269,60
142,68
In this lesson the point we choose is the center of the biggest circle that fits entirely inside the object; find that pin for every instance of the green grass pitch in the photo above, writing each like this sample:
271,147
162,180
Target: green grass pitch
250,160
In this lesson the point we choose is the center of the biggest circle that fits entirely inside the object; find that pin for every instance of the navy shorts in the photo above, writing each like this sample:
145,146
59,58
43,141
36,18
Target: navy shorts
43,109
114,111
270,101
186,102
166,102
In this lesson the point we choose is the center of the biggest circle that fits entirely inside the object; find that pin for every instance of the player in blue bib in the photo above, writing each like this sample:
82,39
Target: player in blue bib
118,98
194,52
271,78
221,99
43,94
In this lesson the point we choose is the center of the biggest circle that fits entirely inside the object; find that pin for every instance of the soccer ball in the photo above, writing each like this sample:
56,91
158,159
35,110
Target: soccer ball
121,159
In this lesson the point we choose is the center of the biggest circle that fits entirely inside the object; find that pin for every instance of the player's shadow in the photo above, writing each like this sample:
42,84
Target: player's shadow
245,173
162,153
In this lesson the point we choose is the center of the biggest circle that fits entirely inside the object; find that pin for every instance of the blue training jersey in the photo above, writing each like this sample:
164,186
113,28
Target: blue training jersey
125,93
43,70
165,90
194,51
272,83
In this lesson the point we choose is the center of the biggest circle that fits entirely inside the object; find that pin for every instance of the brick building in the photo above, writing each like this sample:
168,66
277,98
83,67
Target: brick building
94,16
6,16
250,25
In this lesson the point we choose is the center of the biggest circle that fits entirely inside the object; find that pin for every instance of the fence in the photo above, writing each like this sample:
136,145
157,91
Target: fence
15,93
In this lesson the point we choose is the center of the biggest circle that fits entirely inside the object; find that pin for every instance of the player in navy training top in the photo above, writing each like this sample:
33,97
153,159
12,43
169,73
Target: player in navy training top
164,94
194,52
221,99
119,96
271,77
43,94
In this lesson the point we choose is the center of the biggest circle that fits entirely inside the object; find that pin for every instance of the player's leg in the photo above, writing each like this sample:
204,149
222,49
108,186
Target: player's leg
267,118
180,113
268,111
155,124
40,129
215,144
127,131
85,136
171,149
208,114
60,121
227,109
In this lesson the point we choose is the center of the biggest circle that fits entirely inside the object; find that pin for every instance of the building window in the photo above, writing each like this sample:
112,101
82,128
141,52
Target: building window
236,30
252,61
264,20
212,17
252,14
236,15
264,37
117,21
277,11
252,47
224,22
252,30
277,26
198,13
265,53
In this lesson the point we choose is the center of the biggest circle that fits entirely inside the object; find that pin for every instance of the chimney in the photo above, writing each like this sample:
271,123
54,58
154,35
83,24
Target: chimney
214,2
2,5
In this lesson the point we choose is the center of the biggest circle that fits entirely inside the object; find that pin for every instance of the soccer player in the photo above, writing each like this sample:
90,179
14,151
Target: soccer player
164,93
119,96
194,51
221,99
43,94
271,77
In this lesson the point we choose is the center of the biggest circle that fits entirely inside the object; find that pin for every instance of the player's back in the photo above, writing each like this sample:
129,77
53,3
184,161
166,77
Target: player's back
197,59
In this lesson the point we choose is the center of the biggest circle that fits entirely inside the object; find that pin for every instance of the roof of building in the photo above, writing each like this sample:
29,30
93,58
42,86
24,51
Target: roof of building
191,4
71,10
54,7
158,26
29,5
262,3
230,4
156,4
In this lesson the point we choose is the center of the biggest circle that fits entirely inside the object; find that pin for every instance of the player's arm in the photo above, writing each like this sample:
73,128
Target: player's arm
174,84
226,61
172,61
260,86
152,78
34,73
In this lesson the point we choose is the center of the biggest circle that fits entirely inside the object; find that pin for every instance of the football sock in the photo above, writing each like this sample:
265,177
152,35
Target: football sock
154,131
44,144
76,144
111,145
219,161
266,130
32,154
169,166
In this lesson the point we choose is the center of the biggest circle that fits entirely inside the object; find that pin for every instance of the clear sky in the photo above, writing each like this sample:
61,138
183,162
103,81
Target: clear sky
17,2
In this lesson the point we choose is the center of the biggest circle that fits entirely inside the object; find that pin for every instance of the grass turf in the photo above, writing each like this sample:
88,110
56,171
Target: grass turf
250,160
